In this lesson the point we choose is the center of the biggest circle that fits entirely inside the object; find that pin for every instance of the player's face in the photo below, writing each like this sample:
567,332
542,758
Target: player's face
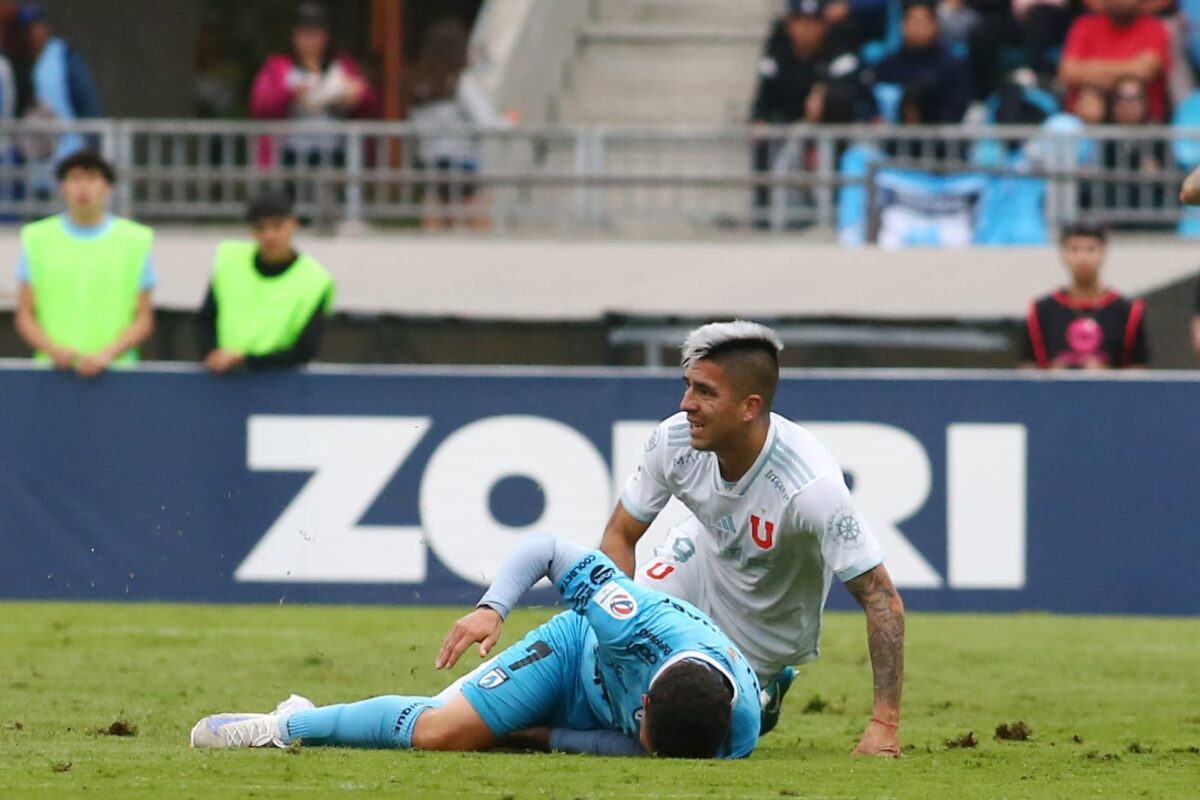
85,190
716,411
1083,256
274,235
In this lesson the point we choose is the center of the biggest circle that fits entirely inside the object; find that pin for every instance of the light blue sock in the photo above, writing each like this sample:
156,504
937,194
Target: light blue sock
381,722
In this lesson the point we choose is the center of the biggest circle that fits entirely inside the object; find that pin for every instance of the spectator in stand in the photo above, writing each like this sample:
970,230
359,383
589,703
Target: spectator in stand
310,84
445,102
1121,43
53,83
85,276
267,303
1129,105
794,60
957,20
1085,325
923,61
1037,27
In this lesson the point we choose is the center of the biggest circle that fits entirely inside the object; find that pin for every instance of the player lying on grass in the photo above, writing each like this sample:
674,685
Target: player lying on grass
772,524
627,671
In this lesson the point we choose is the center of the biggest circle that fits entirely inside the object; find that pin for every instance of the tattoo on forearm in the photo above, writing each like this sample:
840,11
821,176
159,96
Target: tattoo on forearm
885,631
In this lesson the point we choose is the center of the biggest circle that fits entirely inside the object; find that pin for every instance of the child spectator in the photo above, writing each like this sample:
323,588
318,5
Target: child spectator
267,303
85,276
1085,325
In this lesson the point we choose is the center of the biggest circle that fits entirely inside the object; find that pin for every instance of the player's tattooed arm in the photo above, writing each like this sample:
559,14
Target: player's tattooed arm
884,609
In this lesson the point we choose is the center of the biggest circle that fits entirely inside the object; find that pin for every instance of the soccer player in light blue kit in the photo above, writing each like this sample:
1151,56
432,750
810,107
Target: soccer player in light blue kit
628,671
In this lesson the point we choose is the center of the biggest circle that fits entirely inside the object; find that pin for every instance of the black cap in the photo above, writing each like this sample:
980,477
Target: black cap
268,205
806,8
311,15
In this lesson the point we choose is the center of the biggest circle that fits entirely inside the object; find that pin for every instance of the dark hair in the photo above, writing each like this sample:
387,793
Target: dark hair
87,160
928,5
688,711
752,366
268,205
1083,229
311,15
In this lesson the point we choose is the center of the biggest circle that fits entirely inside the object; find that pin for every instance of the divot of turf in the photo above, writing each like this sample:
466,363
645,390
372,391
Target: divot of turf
62,766
966,740
815,705
1016,732
120,727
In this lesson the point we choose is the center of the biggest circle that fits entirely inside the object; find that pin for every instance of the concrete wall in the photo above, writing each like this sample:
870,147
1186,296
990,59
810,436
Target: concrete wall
412,299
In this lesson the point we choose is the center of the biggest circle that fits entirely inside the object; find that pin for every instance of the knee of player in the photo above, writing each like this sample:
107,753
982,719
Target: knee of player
440,729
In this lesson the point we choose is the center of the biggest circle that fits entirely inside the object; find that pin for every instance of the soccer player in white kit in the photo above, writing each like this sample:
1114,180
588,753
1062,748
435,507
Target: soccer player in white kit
772,523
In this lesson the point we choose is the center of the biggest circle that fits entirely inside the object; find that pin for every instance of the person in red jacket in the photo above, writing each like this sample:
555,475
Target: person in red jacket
1123,42
1085,325
309,84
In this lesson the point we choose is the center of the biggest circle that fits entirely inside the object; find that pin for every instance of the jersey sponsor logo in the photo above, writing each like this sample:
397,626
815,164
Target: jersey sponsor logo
659,570
578,568
762,532
844,524
683,459
601,575
493,678
616,602
651,637
777,484
644,653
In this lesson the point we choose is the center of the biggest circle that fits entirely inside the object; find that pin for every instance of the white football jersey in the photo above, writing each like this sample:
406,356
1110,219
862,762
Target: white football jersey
759,555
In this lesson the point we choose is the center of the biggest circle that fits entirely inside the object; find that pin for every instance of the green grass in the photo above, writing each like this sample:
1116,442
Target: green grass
1129,689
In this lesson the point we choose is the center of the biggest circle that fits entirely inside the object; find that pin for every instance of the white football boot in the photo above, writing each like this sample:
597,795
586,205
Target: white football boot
247,730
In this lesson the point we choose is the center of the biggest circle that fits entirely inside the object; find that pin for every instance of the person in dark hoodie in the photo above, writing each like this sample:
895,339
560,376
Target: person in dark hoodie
923,61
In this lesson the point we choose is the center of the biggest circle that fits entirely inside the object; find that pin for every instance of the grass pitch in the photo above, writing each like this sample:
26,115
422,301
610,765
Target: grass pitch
1112,706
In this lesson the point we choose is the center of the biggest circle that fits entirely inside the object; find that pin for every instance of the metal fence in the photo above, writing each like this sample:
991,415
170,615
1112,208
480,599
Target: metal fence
603,179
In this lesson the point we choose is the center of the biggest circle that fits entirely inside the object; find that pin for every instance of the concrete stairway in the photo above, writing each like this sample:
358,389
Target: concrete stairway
666,62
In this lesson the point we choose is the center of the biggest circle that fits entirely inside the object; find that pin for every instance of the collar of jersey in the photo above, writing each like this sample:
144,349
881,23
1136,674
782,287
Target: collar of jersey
743,483
86,231
696,655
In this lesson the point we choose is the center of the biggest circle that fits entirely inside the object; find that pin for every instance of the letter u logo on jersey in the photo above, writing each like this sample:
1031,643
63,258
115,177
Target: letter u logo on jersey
764,539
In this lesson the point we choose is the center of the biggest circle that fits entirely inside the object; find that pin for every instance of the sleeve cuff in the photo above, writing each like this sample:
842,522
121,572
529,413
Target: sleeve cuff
854,570
636,511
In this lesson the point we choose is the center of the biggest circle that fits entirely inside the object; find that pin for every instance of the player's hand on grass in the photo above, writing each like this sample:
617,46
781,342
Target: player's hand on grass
481,625
879,740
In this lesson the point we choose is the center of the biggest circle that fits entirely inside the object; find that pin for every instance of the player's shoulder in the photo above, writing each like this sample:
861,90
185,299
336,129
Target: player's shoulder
144,234
798,452
675,431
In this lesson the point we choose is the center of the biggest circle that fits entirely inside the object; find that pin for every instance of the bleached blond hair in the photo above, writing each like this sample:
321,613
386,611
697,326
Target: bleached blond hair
707,338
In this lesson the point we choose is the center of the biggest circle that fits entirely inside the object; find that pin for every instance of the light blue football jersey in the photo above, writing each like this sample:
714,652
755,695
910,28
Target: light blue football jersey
634,633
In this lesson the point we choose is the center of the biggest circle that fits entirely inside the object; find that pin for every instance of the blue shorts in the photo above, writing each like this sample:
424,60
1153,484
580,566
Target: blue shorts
538,681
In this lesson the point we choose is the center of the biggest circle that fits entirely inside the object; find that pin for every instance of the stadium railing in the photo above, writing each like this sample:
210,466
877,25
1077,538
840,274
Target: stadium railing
600,179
